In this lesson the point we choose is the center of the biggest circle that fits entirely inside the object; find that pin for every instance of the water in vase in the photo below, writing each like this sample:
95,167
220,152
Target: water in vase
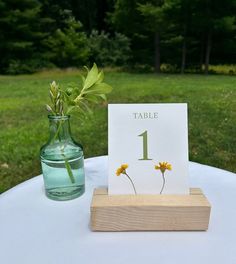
61,184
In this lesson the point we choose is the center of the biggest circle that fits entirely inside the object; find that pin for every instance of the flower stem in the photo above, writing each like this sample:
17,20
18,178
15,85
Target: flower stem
164,181
131,182
57,132
68,168
67,164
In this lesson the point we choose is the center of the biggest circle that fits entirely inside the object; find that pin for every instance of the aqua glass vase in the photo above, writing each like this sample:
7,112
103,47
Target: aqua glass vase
62,162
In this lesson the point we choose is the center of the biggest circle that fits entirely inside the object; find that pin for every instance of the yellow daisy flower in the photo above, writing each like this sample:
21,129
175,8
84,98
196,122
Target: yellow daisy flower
122,169
163,166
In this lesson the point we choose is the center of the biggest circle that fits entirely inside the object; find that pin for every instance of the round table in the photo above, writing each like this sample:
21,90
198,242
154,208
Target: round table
36,230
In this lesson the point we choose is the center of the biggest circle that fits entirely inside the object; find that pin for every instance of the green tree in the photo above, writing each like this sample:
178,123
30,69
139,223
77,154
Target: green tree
178,13
68,46
56,13
212,20
180,16
127,19
92,13
109,50
155,20
182,29
20,28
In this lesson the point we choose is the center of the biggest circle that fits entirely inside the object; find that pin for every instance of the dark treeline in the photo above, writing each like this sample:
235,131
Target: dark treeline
184,35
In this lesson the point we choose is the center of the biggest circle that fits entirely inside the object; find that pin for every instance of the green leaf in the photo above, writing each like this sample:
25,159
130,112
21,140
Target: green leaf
100,88
100,77
76,91
85,107
70,109
82,113
49,109
92,98
103,96
92,77
78,99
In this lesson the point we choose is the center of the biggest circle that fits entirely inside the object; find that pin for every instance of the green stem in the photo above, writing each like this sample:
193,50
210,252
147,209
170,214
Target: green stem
164,181
69,170
67,164
57,132
131,182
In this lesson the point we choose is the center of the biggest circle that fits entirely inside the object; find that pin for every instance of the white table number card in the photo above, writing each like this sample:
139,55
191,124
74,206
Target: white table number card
148,149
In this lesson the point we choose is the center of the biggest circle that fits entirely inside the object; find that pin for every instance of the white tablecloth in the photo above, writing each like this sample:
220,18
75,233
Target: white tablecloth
36,230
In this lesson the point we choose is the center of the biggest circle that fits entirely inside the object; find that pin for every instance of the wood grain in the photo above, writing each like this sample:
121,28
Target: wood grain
149,212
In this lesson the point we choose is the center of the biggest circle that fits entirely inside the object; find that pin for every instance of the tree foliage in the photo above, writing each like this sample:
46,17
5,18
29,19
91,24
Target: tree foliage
68,47
107,50
20,29
183,34
183,29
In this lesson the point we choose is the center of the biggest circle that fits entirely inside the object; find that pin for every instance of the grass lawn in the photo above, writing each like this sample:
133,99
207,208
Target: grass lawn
24,125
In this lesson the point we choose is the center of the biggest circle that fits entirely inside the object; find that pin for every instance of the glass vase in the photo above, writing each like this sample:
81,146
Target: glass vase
62,162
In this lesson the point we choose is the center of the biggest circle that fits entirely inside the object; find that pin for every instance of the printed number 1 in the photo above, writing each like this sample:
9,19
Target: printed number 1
145,146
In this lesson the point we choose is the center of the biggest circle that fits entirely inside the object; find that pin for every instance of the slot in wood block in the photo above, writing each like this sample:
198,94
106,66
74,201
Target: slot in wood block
149,212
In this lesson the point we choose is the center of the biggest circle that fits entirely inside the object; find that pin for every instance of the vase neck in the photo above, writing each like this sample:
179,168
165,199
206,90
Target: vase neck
59,128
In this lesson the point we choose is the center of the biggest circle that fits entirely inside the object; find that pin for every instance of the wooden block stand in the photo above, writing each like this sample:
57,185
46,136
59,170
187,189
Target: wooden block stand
149,212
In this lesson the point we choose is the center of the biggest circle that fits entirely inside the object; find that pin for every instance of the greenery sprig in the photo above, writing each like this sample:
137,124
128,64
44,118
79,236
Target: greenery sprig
76,98
63,102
